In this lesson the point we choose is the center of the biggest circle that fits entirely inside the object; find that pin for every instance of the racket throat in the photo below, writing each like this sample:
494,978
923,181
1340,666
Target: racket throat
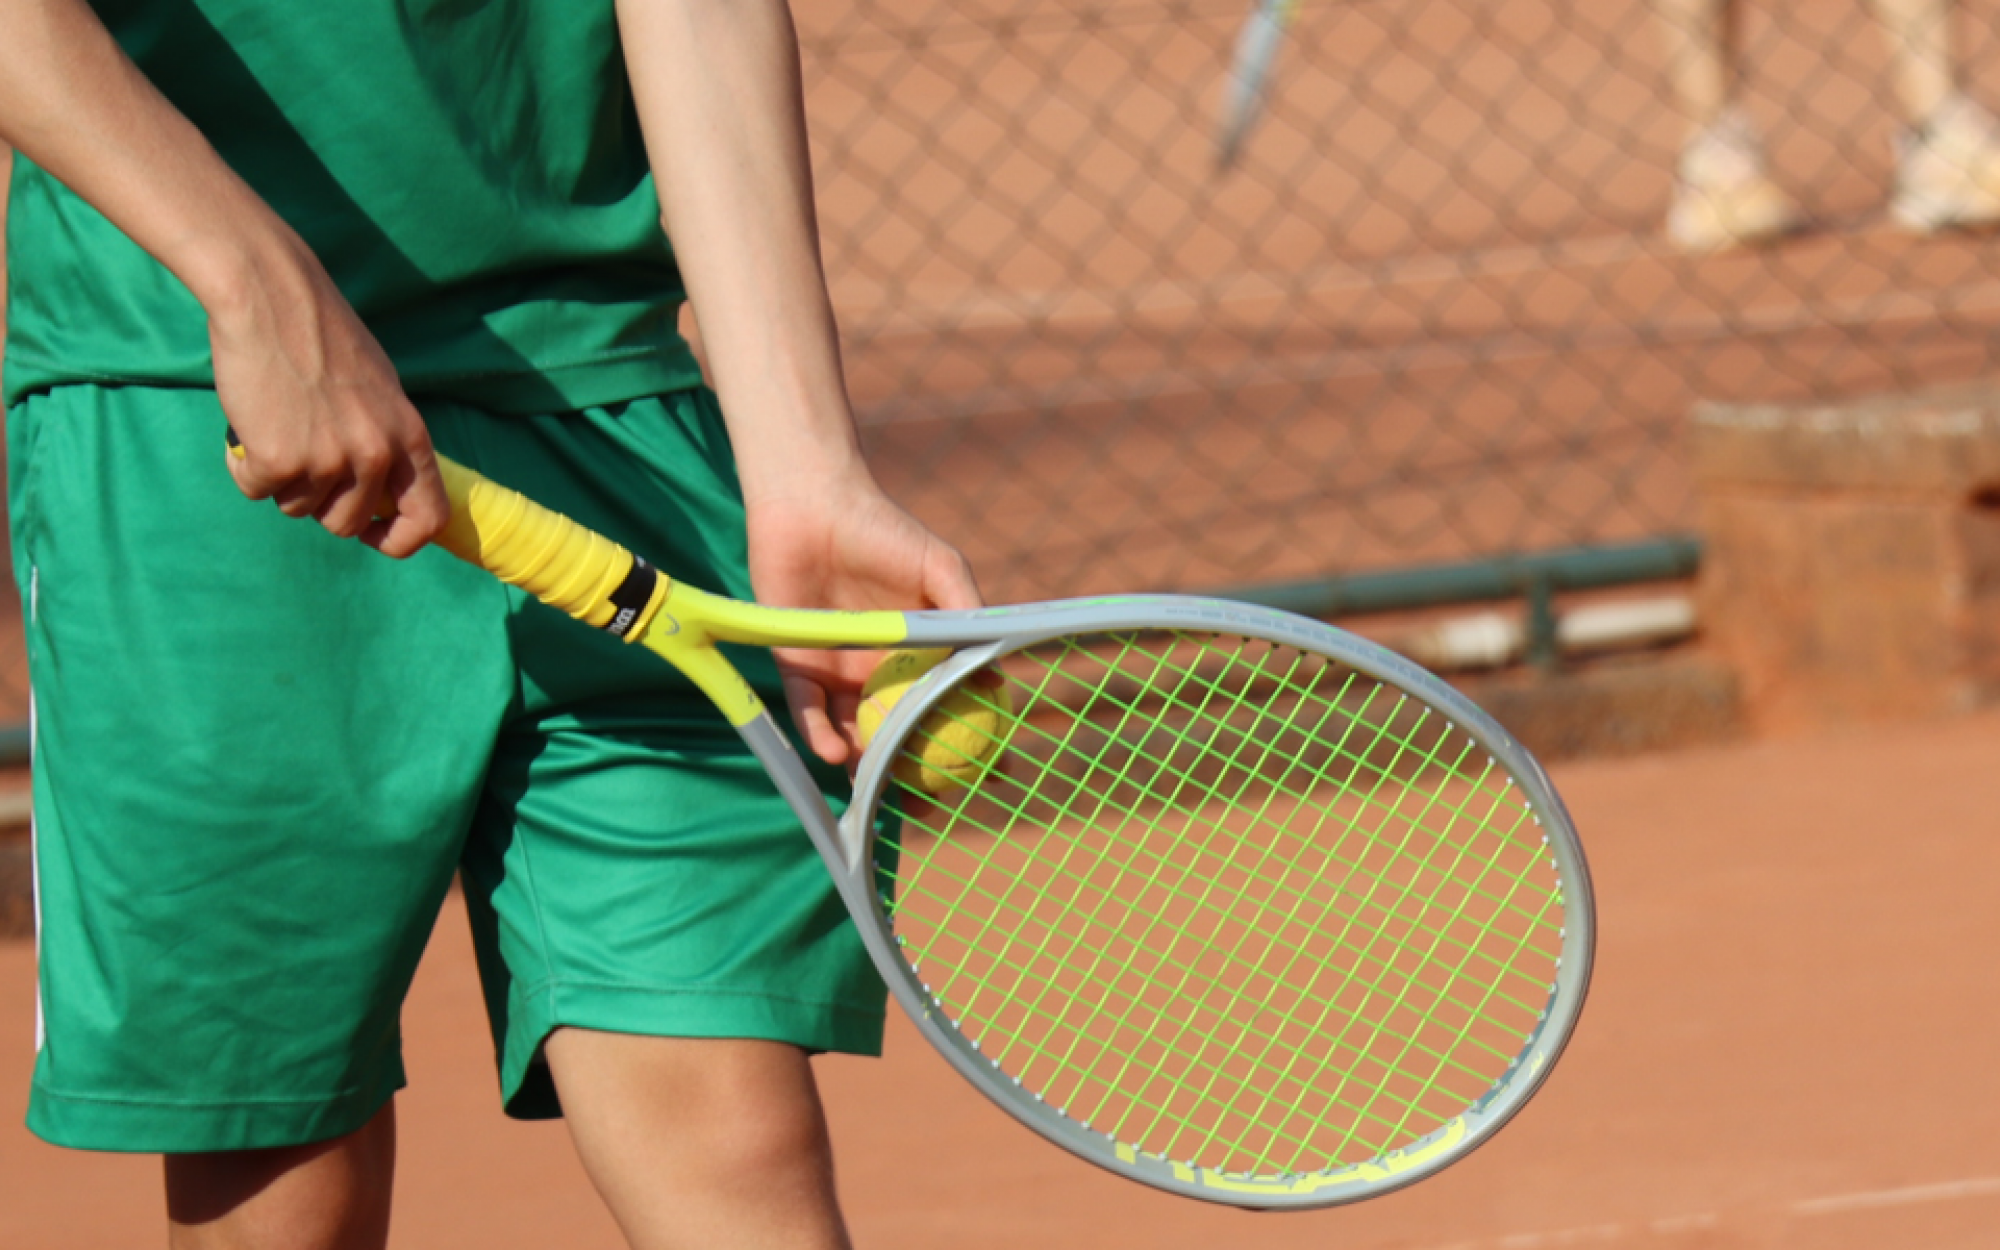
842,844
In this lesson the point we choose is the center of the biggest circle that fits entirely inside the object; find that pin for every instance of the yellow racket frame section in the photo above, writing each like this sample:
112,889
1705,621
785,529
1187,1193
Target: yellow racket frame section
573,568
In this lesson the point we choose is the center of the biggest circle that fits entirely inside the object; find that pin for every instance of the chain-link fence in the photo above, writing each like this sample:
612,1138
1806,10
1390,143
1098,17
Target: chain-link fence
1431,314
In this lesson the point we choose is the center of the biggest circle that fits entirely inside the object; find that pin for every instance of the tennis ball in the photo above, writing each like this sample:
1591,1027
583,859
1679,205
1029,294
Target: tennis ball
957,740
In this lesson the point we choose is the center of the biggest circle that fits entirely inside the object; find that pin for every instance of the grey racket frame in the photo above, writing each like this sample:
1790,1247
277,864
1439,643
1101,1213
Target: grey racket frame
985,635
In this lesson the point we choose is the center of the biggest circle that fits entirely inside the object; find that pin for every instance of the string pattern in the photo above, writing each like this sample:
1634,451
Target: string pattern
1228,902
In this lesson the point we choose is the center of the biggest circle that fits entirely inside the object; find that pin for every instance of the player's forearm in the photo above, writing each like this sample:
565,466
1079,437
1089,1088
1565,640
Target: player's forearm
717,84
327,431
74,103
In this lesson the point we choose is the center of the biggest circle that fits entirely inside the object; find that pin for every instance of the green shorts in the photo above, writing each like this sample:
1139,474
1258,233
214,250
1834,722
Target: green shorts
262,752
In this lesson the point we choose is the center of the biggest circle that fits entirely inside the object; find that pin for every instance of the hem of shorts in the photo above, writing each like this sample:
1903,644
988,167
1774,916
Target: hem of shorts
845,1028
130,1125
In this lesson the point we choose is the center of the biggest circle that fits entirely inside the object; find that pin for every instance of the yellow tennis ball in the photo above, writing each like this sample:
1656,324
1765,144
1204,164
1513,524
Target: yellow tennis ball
958,739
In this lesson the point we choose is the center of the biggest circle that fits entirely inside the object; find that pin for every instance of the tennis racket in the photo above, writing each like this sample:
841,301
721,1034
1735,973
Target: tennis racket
1246,908
1249,73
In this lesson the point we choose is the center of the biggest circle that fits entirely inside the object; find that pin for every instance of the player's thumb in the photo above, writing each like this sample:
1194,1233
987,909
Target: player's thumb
416,510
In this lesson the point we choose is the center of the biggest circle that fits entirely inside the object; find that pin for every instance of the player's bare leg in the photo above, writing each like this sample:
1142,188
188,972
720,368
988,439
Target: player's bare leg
331,1195
698,1142
1701,57
1723,195
1948,159
1919,34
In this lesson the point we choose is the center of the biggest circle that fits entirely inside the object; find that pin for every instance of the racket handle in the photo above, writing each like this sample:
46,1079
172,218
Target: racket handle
564,564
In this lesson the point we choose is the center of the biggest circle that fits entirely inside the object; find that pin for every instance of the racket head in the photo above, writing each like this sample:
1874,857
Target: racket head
1331,943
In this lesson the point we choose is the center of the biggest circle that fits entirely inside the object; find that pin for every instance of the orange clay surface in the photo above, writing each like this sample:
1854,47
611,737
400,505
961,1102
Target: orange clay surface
1794,1041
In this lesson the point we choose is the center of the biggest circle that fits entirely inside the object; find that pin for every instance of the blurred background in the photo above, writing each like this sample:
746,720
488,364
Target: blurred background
1450,319
1451,304
1431,314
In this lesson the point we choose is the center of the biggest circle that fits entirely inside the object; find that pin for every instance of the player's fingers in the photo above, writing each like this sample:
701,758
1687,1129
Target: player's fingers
347,510
397,537
262,477
301,497
843,709
248,479
349,507
847,670
806,699
417,508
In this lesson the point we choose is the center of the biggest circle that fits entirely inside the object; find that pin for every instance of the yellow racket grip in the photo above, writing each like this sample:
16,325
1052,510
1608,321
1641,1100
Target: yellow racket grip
562,563
565,565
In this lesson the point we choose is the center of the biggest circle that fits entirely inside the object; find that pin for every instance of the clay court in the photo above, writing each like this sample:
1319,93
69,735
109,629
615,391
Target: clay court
1790,1043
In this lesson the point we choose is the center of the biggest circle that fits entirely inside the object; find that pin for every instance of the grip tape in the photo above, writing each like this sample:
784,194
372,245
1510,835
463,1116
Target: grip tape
560,562
565,565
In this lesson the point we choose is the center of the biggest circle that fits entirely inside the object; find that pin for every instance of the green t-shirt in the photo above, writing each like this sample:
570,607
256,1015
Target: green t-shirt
470,173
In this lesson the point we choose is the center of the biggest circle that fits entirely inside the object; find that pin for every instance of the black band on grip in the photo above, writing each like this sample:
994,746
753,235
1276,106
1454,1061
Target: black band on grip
632,596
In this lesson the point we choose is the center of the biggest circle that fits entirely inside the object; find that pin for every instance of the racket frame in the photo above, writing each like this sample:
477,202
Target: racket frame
983,637
1257,45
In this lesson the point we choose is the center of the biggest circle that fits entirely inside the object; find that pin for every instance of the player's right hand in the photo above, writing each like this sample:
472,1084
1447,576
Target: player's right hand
325,427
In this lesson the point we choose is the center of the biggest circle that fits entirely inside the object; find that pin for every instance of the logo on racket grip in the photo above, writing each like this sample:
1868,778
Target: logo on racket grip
631,597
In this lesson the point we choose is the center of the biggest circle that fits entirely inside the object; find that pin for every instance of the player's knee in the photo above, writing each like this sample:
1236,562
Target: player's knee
761,1133
715,1108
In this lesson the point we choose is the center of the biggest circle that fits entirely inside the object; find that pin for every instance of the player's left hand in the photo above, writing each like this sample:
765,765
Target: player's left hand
840,542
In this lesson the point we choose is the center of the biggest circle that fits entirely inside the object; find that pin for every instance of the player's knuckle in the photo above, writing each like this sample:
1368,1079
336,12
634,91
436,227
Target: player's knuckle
428,512
278,467
326,466
372,458
253,484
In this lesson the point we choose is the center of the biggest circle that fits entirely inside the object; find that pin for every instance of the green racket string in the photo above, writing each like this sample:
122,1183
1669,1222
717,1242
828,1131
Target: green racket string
1160,763
1231,904
988,828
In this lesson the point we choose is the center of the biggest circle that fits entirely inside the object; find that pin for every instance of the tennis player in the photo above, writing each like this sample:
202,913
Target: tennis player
263,751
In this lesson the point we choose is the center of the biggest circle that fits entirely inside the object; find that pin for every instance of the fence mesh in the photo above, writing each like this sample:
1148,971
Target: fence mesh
1431,313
